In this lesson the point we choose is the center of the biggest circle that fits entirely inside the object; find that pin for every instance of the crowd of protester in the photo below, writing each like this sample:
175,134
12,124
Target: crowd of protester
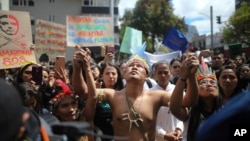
173,99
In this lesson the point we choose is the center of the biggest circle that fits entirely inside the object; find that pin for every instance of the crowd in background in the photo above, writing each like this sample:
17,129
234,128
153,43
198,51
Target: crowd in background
63,93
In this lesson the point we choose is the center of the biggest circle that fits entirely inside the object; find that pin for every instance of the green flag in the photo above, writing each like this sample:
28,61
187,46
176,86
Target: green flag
132,39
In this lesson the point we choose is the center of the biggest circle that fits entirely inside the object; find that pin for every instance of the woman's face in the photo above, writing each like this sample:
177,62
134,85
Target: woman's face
238,60
122,68
245,72
67,109
110,77
208,88
162,75
27,74
228,80
175,68
95,72
45,76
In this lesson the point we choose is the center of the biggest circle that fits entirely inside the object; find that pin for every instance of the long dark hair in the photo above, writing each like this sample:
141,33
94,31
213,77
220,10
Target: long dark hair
199,115
238,87
20,72
119,83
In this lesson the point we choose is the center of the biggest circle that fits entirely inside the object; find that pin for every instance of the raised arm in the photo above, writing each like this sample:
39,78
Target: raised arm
179,104
192,94
83,56
90,106
78,82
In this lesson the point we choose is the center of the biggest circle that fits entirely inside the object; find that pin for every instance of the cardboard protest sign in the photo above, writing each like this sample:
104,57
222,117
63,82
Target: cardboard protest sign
50,40
89,31
15,39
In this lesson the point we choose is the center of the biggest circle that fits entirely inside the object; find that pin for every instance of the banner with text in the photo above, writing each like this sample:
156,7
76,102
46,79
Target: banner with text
89,31
50,40
15,39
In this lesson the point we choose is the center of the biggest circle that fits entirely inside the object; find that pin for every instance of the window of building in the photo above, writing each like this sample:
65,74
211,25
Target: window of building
52,18
23,2
88,2
31,3
15,2
32,22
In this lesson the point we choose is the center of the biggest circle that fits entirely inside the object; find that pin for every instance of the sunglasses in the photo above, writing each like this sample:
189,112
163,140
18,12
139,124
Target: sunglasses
28,72
176,67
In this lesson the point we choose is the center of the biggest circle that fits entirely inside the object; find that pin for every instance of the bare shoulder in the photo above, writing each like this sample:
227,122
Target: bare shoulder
105,91
159,92
161,97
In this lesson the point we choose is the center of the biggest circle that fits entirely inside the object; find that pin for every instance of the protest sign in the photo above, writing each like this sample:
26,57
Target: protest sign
15,39
90,31
50,40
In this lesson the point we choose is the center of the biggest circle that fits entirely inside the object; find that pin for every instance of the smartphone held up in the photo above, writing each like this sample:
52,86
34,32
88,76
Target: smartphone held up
60,63
37,74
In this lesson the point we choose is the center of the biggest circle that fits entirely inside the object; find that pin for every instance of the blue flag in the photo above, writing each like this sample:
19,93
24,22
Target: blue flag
175,40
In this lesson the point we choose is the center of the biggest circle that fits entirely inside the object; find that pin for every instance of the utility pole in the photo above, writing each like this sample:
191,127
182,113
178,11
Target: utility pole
211,20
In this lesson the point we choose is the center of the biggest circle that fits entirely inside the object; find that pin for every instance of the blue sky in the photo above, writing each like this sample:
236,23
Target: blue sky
196,12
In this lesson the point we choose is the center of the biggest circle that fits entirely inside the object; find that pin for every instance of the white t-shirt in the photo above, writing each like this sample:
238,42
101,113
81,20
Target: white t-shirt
166,121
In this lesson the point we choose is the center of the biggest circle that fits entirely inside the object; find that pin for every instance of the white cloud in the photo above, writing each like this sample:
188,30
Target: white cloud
196,12
125,4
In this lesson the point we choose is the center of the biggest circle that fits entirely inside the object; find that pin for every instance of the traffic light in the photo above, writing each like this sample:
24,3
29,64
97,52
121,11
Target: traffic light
218,19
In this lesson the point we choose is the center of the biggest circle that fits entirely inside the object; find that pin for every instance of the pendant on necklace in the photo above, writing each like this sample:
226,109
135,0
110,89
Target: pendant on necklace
126,116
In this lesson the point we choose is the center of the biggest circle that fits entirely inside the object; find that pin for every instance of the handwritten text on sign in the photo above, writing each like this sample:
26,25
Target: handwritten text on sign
15,39
89,31
50,39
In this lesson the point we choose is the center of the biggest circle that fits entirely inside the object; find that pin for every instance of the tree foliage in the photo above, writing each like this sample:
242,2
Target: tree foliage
153,18
237,29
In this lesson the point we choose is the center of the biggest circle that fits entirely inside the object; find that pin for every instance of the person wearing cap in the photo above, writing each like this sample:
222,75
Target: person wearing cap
134,108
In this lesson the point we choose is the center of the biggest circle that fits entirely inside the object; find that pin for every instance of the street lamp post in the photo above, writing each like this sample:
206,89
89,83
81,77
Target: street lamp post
211,25
211,20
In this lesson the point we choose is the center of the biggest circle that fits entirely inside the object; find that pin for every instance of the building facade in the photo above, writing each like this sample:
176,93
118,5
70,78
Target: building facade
57,10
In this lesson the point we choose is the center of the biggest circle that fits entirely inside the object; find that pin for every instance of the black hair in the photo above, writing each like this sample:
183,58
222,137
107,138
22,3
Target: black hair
26,91
20,72
238,87
173,60
119,83
160,63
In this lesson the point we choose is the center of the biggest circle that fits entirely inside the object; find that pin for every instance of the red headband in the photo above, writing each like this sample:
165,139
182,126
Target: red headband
202,76
65,91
